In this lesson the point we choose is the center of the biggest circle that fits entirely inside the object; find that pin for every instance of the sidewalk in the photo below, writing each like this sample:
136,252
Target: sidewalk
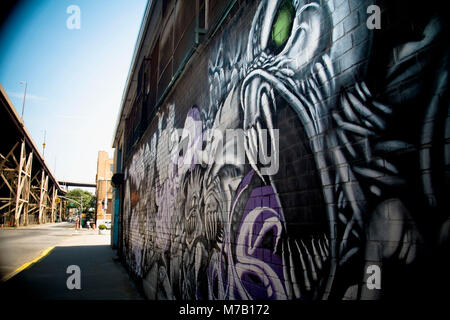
102,278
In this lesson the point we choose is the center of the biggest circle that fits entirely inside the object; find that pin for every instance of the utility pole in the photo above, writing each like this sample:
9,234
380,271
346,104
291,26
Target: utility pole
80,203
24,96
43,145
106,195
81,212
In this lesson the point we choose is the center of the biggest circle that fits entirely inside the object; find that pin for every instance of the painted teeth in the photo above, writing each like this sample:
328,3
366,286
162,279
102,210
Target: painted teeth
211,225
305,272
220,236
322,78
312,254
190,228
311,265
316,255
296,287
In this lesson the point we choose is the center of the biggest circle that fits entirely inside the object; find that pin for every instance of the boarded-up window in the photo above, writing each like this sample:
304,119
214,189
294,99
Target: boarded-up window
153,79
140,78
216,10
119,160
184,31
147,83
166,5
128,136
132,125
143,97
137,110
165,56
201,12
176,41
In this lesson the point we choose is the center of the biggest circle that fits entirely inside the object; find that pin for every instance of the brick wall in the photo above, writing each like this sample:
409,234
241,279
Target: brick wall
300,155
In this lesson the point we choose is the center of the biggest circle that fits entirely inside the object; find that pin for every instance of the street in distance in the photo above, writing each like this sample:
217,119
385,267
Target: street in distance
231,309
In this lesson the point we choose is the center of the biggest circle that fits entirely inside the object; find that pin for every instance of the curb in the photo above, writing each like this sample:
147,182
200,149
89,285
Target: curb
36,225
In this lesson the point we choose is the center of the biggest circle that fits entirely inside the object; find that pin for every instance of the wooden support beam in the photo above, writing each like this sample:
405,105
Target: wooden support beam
43,197
6,204
19,186
25,196
48,206
9,177
10,153
60,210
22,192
27,187
53,209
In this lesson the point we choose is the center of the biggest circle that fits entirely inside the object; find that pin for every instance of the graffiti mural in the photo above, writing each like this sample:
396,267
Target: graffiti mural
313,161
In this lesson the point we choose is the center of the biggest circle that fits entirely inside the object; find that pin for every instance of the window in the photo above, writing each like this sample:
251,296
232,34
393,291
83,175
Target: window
109,208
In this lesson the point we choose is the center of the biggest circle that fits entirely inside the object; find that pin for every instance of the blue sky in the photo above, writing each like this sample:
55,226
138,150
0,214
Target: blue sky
75,77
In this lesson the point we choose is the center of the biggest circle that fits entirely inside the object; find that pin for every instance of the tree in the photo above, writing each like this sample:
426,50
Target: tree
86,198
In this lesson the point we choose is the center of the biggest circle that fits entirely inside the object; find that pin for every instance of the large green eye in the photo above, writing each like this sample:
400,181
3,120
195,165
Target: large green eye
282,25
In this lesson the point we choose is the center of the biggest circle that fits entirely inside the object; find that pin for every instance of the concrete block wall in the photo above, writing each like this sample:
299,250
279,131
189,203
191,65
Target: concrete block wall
339,186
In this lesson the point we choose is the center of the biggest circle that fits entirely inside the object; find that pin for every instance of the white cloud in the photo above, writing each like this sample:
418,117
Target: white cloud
29,97
70,117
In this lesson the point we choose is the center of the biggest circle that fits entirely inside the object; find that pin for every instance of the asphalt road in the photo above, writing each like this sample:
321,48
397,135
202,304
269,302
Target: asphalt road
18,246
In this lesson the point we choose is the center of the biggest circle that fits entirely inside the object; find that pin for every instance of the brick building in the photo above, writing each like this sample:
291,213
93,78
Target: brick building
104,189
285,150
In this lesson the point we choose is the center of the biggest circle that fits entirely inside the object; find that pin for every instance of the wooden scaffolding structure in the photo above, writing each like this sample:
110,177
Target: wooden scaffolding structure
29,197
28,190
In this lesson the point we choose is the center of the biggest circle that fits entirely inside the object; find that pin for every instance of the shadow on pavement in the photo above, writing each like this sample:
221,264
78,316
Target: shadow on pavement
101,277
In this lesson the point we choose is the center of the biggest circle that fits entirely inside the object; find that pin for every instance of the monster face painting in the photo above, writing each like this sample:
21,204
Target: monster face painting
313,164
